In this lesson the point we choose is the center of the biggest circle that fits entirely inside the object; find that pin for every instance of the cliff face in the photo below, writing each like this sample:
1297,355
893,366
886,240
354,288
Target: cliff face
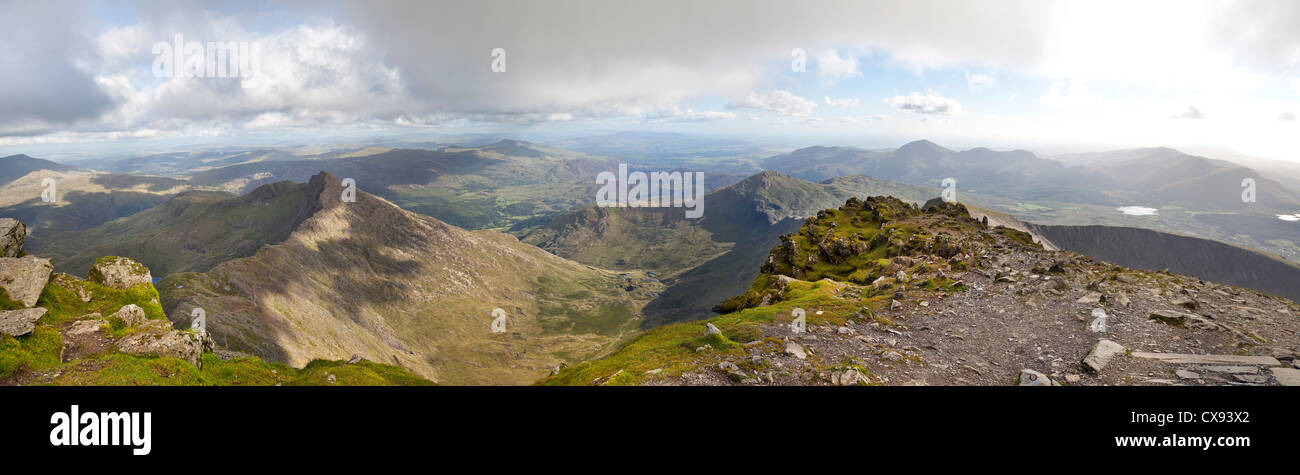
1202,258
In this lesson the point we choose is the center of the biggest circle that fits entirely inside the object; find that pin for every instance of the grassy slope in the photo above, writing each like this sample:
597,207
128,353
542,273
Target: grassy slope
35,358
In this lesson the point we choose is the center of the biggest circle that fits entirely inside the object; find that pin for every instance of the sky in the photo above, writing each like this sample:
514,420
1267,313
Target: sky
1040,75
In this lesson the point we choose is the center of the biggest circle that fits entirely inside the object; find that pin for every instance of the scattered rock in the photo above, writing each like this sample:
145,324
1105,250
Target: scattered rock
1089,298
710,329
1101,354
119,273
20,322
131,314
895,305
1029,377
848,377
1176,358
1286,376
891,355
87,326
23,278
1122,299
1182,319
1185,374
354,359
795,350
330,378
158,338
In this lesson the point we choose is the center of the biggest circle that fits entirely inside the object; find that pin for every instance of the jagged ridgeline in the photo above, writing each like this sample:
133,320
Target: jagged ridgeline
870,242
110,329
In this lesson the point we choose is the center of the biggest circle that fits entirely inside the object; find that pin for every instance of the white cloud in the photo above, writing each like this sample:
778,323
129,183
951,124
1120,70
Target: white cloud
979,82
677,114
846,103
929,103
1286,117
1191,113
862,119
778,101
832,67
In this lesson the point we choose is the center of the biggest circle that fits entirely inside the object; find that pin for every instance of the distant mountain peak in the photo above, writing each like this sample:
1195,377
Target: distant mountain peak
923,148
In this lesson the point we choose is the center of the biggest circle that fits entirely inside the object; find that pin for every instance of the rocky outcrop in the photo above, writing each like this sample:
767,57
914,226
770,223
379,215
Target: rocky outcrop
158,338
131,314
23,278
12,235
119,273
20,322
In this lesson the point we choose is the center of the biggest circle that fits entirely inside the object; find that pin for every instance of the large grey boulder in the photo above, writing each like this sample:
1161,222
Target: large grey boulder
158,338
131,314
1029,377
20,322
23,278
119,273
1101,354
12,234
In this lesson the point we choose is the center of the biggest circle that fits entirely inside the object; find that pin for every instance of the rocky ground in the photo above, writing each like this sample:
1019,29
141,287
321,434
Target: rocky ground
1013,313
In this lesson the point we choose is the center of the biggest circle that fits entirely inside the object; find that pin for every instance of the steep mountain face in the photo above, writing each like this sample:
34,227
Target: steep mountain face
191,232
1153,250
707,259
879,291
372,279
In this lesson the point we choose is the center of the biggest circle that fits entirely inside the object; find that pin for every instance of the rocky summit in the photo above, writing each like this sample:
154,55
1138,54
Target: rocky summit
882,292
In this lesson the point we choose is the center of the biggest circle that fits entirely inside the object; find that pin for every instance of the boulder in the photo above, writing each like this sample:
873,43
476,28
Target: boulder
131,314
1182,319
1101,354
23,278
89,325
849,377
795,350
1029,377
710,329
158,338
119,273
20,322
12,235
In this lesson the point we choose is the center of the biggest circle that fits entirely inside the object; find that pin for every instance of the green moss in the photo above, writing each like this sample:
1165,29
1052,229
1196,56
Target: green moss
36,351
7,304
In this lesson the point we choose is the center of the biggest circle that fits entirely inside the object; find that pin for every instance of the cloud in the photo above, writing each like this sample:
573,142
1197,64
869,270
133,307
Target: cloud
846,103
832,67
862,119
778,101
1191,113
677,114
73,69
978,82
929,103
1286,117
